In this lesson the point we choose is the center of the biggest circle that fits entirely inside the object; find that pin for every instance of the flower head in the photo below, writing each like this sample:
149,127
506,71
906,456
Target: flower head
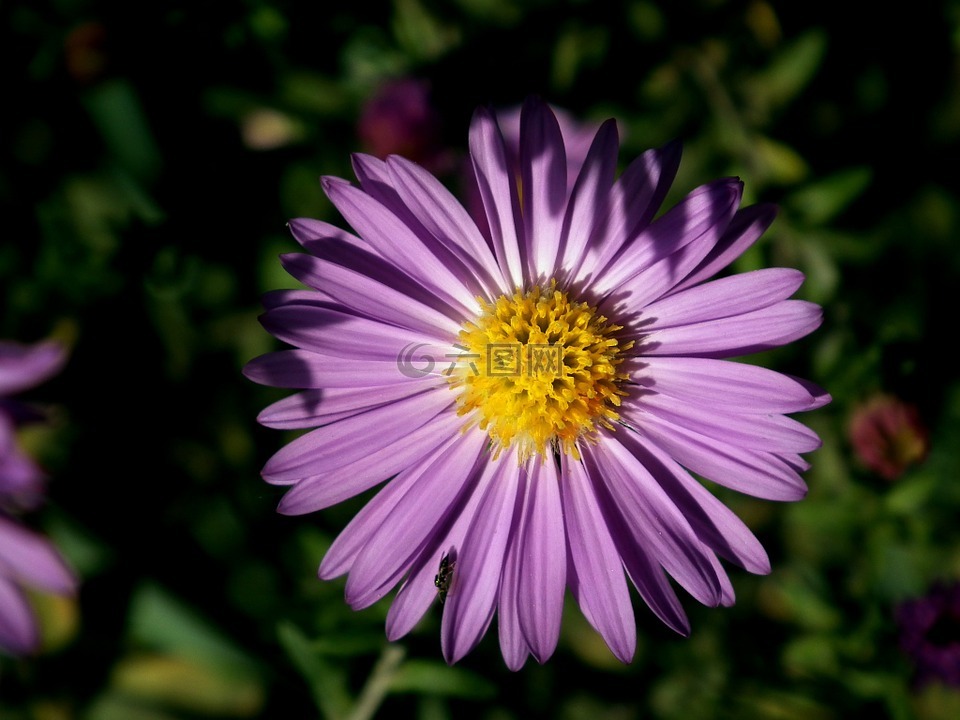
26,558
930,634
888,436
537,391
399,118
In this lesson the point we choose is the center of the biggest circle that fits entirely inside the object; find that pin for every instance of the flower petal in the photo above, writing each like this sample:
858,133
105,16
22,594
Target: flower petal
476,580
18,628
648,508
589,198
498,191
744,230
312,408
330,487
713,522
304,370
753,472
600,588
388,554
634,200
763,329
398,243
328,331
723,298
369,297
644,571
343,551
446,219
543,560
32,559
26,366
702,216
353,438
736,386
772,433
418,591
543,182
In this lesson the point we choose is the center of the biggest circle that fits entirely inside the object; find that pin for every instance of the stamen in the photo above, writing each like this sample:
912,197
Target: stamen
540,370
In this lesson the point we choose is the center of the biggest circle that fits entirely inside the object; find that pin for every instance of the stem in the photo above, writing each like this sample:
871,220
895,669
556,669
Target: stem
378,684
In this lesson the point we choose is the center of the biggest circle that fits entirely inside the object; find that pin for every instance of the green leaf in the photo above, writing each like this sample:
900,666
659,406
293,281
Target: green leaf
327,682
424,676
161,622
790,71
823,200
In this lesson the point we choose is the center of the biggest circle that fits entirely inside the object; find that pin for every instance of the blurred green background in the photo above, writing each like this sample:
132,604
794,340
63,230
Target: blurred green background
151,155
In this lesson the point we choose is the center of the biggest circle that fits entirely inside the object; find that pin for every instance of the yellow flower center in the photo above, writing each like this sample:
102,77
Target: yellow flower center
539,369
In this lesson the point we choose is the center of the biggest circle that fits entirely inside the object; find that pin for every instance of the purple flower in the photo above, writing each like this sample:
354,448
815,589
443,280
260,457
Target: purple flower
888,436
537,395
930,634
26,558
399,118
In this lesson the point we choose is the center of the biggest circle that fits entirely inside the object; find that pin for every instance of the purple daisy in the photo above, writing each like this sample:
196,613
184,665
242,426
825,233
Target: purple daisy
930,634
537,393
26,558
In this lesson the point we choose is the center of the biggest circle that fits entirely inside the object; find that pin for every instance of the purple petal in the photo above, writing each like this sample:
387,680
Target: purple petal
32,560
600,588
316,236
772,433
543,178
498,191
646,506
713,522
398,243
762,475
387,555
543,560
444,217
380,183
644,571
751,332
303,370
513,643
348,544
312,408
736,386
369,297
25,366
723,298
744,230
22,482
330,487
418,591
476,581
18,628
349,440
702,216
590,196
634,200
326,331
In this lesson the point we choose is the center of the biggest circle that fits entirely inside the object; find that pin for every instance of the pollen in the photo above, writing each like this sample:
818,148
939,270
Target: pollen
539,370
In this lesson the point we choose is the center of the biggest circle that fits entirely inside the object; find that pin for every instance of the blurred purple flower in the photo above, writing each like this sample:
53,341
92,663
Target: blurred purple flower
26,558
400,119
888,436
930,634
538,392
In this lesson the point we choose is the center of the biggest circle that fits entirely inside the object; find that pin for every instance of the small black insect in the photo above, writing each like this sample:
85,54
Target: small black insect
444,577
